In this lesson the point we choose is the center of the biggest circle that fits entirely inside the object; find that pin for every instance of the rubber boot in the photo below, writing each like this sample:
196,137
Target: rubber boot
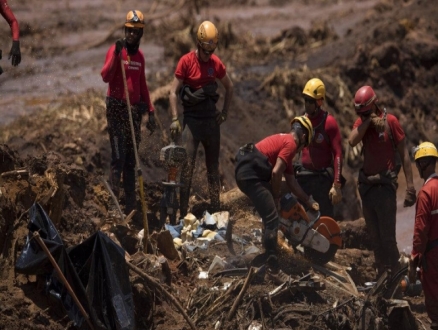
214,192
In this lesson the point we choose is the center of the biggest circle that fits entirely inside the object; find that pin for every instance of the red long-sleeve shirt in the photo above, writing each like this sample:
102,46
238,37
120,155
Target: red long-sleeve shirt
6,12
426,216
135,77
378,150
326,147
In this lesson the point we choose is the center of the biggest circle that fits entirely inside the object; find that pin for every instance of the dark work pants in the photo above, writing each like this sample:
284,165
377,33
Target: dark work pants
379,204
253,174
122,149
207,132
318,185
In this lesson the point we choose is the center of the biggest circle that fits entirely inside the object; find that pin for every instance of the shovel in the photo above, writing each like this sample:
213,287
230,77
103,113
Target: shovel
137,164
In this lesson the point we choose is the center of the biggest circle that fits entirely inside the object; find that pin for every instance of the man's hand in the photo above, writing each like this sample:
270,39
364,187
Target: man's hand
15,53
120,43
175,128
378,123
313,204
335,194
151,125
410,197
221,117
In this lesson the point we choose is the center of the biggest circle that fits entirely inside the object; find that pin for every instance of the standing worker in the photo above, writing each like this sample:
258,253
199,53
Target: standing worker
119,128
259,171
321,162
14,54
195,82
383,139
425,244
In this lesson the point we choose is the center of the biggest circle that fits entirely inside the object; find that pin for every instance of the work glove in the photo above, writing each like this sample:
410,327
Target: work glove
410,197
221,117
335,194
313,204
412,270
378,123
175,128
15,53
151,125
120,43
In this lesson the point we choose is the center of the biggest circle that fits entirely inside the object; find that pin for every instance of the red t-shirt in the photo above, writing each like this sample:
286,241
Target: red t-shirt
10,18
426,216
326,147
379,153
279,146
196,73
135,77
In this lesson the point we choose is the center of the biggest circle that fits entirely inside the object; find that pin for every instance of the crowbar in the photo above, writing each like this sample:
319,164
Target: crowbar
137,164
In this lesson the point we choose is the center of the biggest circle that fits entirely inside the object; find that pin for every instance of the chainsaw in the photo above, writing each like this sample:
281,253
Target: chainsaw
320,236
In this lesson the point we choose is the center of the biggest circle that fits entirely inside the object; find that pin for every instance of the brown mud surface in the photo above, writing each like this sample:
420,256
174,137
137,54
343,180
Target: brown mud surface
54,147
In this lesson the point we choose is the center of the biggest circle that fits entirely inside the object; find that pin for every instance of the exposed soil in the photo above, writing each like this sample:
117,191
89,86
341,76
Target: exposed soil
54,145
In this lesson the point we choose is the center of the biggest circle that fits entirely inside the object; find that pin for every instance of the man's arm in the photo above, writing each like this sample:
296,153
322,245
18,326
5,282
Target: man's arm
406,162
229,89
277,175
173,96
357,133
296,189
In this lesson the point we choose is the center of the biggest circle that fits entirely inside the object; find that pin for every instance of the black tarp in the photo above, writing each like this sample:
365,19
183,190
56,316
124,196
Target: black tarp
95,269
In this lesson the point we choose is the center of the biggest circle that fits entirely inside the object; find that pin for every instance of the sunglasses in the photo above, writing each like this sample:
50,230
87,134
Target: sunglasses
309,100
135,31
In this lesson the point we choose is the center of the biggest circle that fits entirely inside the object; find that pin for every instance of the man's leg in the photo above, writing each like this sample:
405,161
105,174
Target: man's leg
211,144
318,186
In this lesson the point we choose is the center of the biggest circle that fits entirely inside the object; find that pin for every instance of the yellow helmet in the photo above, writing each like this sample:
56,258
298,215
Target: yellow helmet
134,19
305,122
315,89
425,149
207,36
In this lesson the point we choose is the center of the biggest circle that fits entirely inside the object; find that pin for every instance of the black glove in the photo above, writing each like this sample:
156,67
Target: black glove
221,117
151,125
410,197
120,43
15,53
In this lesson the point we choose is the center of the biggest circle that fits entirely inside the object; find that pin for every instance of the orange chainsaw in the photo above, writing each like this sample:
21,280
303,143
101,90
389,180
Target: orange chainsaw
320,236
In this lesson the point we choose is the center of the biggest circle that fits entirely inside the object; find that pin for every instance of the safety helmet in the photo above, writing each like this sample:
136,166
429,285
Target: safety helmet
364,99
425,149
134,19
305,123
315,89
207,36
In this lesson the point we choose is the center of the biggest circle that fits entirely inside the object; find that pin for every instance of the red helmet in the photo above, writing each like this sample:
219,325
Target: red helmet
364,99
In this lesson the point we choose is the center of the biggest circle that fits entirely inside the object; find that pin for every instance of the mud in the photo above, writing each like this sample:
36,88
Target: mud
55,150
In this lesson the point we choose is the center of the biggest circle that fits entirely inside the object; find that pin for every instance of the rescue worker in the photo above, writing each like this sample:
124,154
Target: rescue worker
119,128
319,173
6,12
383,142
425,242
259,171
195,83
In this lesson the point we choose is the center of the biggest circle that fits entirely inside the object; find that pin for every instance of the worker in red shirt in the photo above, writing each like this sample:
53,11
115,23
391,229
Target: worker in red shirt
15,53
319,173
383,140
425,244
195,82
259,171
119,128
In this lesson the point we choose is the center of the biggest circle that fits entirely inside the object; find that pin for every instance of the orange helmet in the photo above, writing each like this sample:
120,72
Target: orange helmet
364,99
207,36
134,19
